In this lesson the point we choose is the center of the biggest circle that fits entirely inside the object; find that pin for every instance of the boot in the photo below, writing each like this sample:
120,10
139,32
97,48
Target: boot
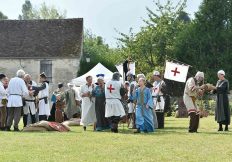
7,129
191,122
226,128
220,127
137,131
196,123
24,120
84,128
16,129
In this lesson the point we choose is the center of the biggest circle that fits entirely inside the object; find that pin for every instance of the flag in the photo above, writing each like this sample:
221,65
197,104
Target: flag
176,72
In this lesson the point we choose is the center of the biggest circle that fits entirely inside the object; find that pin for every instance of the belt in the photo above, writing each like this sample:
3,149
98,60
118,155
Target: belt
43,98
15,95
30,100
114,98
157,96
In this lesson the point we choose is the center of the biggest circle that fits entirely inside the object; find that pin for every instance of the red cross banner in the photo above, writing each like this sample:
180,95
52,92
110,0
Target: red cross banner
176,72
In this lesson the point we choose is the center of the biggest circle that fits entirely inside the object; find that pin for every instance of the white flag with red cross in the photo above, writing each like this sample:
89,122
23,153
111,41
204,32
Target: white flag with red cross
176,72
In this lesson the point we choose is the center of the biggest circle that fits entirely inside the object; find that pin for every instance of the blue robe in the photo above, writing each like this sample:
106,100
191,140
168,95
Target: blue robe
144,117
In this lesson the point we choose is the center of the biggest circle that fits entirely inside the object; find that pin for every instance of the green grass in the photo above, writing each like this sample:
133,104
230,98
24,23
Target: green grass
170,144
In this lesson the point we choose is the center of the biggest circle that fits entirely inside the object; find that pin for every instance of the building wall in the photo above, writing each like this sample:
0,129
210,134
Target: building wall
63,70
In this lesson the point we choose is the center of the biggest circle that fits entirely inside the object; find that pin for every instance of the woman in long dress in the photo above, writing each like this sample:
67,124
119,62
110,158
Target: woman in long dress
222,111
99,94
144,106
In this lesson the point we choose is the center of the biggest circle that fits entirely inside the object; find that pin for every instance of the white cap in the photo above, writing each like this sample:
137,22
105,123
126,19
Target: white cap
141,76
199,74
156,73
129,73
222,72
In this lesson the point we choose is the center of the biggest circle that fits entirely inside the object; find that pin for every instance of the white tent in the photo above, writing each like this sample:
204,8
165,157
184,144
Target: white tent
98,69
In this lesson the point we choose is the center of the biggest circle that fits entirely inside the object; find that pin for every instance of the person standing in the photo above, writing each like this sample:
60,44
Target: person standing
16,90
158,99
114,107
191,92
99,94
29,107
144,106
44,109
222,111
131,94
88,115
58,92
3,102
71,108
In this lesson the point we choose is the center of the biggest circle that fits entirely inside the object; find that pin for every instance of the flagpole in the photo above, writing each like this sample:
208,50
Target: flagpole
178,61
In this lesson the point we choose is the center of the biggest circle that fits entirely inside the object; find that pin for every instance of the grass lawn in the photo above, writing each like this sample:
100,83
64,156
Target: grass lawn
170,144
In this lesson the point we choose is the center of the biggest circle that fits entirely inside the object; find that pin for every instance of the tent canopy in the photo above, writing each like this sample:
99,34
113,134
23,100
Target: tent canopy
98,69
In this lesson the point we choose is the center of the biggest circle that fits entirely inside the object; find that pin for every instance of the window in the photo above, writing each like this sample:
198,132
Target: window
46,67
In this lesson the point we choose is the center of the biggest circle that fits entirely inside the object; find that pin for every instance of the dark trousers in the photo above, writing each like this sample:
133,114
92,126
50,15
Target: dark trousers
194,122
114,120
14,113
43,117
3,116
25,118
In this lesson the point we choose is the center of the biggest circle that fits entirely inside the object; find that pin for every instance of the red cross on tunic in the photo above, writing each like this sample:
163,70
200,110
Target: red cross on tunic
110,88
175,71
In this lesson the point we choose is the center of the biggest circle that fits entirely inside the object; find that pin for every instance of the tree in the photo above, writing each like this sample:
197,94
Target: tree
154,43
43,12
2,16
206,42
95,48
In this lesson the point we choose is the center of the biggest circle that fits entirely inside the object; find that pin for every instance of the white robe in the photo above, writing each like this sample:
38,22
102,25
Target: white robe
113,104
131,105
88,115
44,108
155,92
16,89
29,104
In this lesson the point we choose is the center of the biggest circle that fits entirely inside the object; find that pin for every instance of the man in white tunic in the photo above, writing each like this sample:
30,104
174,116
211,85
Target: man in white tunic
191,91
16,90
44,109
88,115
114,108
131,95
3,101
158,100
29,108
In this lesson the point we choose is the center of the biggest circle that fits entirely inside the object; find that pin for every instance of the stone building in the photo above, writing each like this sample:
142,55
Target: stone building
50,46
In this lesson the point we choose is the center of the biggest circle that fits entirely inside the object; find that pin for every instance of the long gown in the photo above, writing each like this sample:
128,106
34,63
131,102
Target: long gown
88,115
102,121
222,111
144,116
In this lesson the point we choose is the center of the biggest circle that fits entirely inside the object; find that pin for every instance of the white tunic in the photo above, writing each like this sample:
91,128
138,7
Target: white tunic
190,93
3,93
44,108
88,115
131,96
113,104
156,91
16,89
30,104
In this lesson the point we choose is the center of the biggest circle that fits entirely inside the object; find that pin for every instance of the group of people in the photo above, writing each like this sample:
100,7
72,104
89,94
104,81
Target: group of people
106,104
21,92
195,88
21,95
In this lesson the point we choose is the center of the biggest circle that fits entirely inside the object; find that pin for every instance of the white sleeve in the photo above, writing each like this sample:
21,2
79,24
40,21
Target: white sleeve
25,91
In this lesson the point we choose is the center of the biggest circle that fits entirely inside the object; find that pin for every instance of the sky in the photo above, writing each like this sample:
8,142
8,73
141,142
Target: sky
101,17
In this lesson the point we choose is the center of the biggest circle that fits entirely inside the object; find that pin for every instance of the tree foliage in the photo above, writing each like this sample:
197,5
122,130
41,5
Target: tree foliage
43,12
95,48
2,16
206,42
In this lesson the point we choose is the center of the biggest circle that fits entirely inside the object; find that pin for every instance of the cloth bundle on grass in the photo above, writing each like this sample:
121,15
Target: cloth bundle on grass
46,126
